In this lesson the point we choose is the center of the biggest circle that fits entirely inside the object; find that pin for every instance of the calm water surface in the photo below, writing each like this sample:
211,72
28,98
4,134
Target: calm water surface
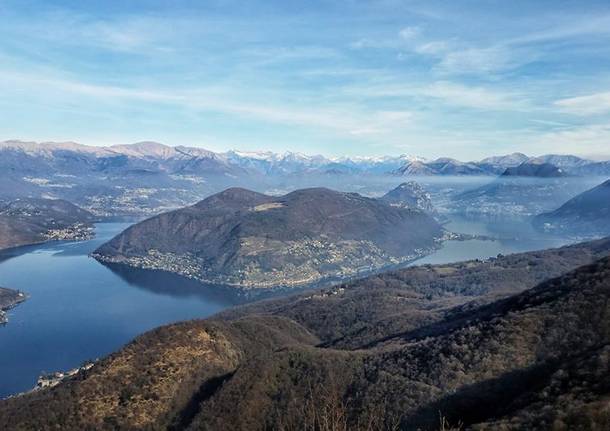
511,237
80,309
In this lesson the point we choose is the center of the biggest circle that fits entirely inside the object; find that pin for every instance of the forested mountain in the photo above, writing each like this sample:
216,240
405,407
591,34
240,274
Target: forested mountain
250,240
31,221
488,345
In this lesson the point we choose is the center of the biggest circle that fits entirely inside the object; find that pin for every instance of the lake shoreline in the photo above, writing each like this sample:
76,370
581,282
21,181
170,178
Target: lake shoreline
9,299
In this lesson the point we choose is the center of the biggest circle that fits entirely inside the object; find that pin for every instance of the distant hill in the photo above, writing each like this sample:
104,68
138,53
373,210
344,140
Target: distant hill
31,221
537,170
587,214
518,342
251,240
410,195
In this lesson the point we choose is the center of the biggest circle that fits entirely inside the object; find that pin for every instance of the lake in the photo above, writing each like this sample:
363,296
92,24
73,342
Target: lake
79,309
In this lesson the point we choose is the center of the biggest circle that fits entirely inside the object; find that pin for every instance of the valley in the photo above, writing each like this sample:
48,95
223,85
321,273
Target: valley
395,295
74,295
305,216
510,333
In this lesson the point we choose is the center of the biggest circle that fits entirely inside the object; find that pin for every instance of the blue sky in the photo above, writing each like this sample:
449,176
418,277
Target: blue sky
433,78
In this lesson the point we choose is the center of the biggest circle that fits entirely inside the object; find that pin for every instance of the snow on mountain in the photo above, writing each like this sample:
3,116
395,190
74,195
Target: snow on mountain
169,158
562,160
46,149
507,161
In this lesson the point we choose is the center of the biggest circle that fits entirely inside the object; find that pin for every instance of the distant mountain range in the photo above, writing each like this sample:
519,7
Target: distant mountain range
27,221
499,165
154,157
518,342
521,191
146,178
586,215
535,169
246,239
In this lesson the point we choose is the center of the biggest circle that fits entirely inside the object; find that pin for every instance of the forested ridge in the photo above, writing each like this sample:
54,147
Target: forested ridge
517,342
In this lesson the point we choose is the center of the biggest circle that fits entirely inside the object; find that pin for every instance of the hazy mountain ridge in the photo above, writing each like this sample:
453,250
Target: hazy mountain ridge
250,240
535,170
499,165
31,221
146,178
274,163
530,361
587,214
524,190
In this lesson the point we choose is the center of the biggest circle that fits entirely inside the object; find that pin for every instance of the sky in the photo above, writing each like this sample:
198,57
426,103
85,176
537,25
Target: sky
463,79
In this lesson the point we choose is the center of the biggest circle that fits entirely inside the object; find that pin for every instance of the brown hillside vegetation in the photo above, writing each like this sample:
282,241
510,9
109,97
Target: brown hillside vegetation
488,345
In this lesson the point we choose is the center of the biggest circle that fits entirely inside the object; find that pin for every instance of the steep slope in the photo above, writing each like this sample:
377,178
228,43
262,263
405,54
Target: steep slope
250,240
156,381
31,221
496,364
535,360
588,214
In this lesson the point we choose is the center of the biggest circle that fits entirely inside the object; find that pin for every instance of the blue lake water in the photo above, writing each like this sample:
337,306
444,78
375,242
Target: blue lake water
79,309
511,237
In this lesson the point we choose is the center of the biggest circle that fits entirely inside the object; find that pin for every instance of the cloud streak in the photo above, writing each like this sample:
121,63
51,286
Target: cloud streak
592,104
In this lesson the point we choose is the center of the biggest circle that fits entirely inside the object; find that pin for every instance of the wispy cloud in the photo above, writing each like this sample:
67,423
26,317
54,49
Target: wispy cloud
347,120
584,140
475,97
448,93
592,104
